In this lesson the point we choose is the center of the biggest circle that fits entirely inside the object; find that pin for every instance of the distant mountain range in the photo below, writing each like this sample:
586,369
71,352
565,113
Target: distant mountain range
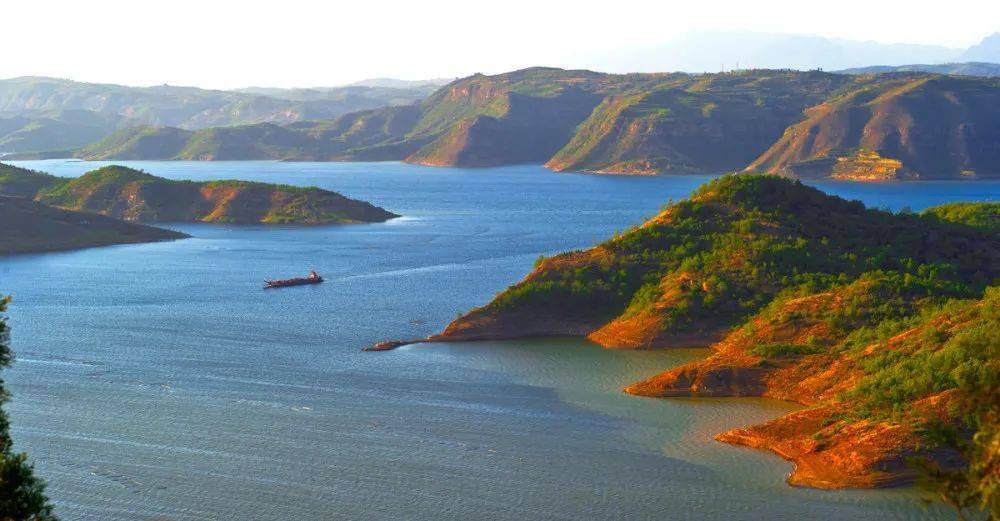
717,50
571,120
867,126
47,113
988,50
986,70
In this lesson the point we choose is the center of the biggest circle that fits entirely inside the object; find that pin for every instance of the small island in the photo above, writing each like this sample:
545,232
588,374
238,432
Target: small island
132,195
882,324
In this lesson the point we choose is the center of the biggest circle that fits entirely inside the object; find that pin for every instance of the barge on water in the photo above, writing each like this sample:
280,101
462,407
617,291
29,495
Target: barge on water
313,278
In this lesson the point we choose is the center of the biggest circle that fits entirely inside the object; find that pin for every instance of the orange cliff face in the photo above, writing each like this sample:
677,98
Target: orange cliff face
789,352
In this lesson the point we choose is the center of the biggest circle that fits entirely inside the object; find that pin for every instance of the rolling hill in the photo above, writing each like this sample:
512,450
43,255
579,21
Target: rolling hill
133,195
879,323
45,114
984,69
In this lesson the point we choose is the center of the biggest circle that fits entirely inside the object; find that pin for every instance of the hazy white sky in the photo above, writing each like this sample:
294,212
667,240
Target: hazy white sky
227,44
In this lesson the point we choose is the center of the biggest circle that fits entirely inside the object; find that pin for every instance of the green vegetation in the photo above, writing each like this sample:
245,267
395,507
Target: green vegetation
742,240
940,358
20,182
785,350
22,494
885,324
951,352
980,215
133,195
692,124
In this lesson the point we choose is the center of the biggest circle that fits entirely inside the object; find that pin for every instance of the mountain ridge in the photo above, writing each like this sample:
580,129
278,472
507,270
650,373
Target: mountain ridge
584,121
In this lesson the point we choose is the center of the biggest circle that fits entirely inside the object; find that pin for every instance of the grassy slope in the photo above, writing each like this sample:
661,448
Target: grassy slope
145,142
881,126
21,182
358,135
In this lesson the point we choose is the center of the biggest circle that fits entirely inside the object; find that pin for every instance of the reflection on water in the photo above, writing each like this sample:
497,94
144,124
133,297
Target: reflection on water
158,381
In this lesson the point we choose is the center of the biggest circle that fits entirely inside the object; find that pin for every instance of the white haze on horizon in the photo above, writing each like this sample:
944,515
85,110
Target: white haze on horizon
231,44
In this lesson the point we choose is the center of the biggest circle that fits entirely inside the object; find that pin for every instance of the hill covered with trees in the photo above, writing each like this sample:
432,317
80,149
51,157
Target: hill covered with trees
884,325
133,195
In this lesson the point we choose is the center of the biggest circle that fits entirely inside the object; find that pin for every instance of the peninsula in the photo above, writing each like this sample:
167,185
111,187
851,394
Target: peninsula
880,323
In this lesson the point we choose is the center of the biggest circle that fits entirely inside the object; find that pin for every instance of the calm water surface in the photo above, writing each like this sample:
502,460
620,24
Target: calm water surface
158,381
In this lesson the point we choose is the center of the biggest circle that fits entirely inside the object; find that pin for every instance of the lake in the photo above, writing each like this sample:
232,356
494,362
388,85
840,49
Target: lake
159,381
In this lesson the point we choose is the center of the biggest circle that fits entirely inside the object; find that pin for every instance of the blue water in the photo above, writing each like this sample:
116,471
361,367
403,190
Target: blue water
158,381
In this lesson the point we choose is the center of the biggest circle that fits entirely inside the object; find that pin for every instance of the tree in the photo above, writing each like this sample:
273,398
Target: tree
22,495
973,489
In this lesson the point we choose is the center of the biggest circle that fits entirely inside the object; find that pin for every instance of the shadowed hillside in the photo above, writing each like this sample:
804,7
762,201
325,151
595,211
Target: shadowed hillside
29,226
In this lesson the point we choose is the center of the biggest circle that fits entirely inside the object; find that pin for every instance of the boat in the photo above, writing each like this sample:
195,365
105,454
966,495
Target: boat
313,278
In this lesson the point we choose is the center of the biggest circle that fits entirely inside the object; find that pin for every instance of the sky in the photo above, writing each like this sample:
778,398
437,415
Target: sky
230,44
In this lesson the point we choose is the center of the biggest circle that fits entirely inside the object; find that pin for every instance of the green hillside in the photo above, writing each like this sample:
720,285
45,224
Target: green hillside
133,195
705,264
882,325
